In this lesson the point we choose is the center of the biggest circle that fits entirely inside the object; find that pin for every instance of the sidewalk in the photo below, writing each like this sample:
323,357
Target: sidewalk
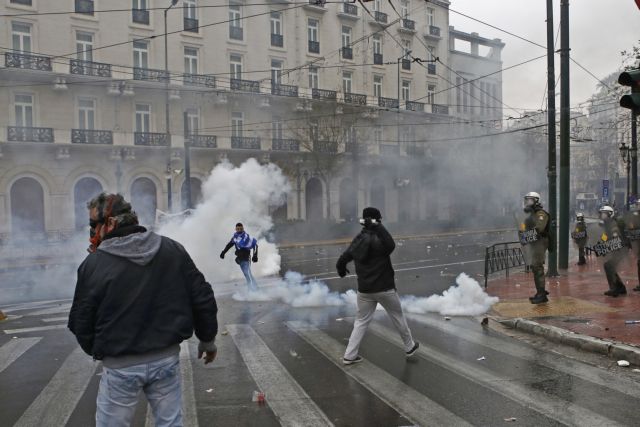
576,305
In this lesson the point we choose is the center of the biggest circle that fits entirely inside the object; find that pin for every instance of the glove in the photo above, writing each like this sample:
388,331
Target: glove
221,255
343,273
255,258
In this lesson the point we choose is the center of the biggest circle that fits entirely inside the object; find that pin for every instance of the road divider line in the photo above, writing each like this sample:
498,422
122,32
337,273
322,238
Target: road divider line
286,398
13,349
56,319
411,404
57,401
189,412
35,329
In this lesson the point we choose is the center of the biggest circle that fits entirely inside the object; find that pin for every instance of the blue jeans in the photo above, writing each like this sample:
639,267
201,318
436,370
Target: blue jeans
245,266
119,389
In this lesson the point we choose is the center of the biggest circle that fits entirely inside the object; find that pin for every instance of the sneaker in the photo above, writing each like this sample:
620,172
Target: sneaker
413,350
346,361
539,299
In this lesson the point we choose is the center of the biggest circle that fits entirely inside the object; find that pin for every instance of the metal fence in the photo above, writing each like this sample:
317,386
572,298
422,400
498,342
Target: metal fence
502,257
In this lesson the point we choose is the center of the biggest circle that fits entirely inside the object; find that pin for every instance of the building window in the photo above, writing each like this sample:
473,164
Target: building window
190,60
276,23
346,82
406,90
312,34
432,53
84,46
346,36
22,2
431,16
86,114
235,22
377,44
235,63
140,12
377,86
377,5
404,8
140,54
193,121
84,7
190,9
276,128
276,72
237,124
431,93
314,78
21,37
24,110
143,118
140,4
406,48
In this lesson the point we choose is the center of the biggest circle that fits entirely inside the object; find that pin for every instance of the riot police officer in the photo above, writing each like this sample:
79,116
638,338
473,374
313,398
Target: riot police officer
611,246
579,236
632,233
534,233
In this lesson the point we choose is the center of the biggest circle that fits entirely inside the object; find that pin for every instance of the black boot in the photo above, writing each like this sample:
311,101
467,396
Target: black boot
637,288
539,299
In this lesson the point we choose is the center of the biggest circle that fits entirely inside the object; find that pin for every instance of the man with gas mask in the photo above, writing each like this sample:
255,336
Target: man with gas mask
579,236
534,234
632,234
611,246
138,296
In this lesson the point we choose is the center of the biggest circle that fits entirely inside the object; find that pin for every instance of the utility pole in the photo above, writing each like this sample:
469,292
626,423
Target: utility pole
551,168
166,105
187,160
565,192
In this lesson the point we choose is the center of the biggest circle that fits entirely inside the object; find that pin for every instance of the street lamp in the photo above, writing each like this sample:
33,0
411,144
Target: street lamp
628,155
166,101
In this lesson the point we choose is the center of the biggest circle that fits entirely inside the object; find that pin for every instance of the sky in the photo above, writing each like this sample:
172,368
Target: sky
599,31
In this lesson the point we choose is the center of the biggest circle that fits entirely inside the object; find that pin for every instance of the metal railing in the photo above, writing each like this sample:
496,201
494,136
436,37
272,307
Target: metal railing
90,136
406,64
318,3
84,7
88,68
409,24
140,16
198,80
387,102
431,68
27,61
439,109
330,95
377,58
151,139
284,90
150,74
329,147
29,134
314,46
235,33
350,9
434,31
347,52
190,25
502,257
245,85
355,98
245,142
279,144
277,40
22,2
414,106
203,141
380,17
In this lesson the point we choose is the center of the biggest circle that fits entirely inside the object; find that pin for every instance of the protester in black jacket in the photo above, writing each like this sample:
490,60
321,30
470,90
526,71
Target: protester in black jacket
138,296
370,250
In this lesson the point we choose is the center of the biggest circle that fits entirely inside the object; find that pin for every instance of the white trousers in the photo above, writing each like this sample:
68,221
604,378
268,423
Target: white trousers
366,308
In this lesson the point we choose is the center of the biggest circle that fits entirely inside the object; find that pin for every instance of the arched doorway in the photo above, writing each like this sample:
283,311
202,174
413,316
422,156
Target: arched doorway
84,190
144,200
313,199
196,193
377,195
27,209
348,200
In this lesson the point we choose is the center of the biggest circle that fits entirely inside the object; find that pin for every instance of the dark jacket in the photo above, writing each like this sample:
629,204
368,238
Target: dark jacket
140,293
370,250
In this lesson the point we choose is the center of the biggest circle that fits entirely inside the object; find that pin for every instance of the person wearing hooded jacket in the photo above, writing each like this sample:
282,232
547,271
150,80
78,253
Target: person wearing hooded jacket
138,296
370,251
244,244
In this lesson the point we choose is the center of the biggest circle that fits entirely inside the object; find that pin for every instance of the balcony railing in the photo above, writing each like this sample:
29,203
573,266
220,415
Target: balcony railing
431,68
90,136
406,64
84,6
150,74
409,24
330,95
314,47
191,25
414,106
27,61
152,139
198,80
350,9
29,134
347,53
88,68
387,102
330,147
278,144
140,16
377,58
380,17
203,141
318,3
22,2
245,142
235,33
439,109
355,98
245,85
277,40
284,90
434,31
389,149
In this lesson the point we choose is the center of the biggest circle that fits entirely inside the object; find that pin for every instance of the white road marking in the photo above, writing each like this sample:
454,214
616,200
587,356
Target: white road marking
31,305
14,349
56,319
35,329
53,310
57,401
398,395
286,398
424,267
189,413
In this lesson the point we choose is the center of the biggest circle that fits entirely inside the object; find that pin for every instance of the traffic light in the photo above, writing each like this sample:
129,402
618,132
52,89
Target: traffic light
631,101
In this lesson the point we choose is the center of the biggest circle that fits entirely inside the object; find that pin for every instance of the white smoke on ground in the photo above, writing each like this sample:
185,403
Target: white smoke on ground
230,195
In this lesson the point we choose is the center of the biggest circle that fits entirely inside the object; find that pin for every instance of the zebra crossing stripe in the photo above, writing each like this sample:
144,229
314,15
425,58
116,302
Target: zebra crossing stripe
35,329
57,401
14,349
53,310
189,413
414,406
55,319
286,398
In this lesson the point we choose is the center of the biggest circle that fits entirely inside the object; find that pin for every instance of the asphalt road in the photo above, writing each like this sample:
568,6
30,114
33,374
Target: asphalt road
293,355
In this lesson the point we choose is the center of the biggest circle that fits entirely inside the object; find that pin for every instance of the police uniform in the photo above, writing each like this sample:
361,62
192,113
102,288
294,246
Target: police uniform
536,228
632,234
579,237
613,230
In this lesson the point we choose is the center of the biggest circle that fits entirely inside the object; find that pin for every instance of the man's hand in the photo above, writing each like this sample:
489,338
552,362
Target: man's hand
255,258
207,351
221,255
343,272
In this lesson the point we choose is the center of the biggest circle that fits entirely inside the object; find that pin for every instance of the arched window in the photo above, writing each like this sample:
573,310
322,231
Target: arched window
348,200
144,200
84,190
196,193
27,209
313,199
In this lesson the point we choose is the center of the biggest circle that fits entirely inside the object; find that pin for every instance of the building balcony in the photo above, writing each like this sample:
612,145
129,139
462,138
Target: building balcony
27,61
408,25
314,47
90,136
355,98
277,40
279,144
203,141
29,134
380,17
389,150
245,142
431,68
245,85
150,74
151,139
284,90
88,68
329,147
439,109
190,25
317,3
84,6
140,16
236,33
414,106
434,32
406,64
349,10
330,95
387,102
347,53
198,80
377,58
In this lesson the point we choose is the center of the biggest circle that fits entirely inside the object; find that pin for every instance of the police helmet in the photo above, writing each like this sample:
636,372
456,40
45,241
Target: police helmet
606,209
533,195
579,216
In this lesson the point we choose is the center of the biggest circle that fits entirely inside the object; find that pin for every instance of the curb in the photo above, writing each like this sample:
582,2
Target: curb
612,349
